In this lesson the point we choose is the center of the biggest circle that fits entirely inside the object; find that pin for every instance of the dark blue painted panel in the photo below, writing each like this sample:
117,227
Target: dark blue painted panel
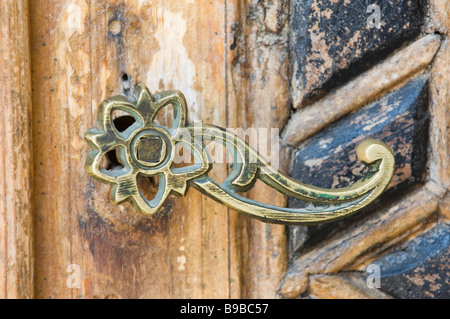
332,40
420,268
328,159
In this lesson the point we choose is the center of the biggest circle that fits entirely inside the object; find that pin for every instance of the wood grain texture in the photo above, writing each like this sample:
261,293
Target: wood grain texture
399,119
16,253
363,89
440,116
85,51
231,60
258,98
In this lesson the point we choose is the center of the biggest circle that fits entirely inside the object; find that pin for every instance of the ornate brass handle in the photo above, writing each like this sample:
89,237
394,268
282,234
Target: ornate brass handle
147,148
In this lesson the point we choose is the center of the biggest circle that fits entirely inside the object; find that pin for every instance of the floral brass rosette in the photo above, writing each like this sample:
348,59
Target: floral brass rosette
144,134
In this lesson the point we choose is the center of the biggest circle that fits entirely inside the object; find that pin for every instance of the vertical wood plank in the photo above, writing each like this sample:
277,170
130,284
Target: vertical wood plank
83,52
258,98
440,98
16,253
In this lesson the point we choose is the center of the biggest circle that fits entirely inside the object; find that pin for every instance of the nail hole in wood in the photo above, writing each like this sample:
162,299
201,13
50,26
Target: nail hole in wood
126,82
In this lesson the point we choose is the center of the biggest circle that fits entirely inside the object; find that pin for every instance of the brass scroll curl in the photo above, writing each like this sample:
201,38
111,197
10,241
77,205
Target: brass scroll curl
147,148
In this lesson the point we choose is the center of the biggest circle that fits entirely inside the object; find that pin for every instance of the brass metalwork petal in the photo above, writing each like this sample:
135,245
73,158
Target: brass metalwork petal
151,207
176,98
180,175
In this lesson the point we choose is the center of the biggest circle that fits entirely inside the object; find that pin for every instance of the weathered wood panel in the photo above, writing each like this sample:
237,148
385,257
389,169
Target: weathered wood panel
356,248
399,119
86,51
345,286
259,98
231,59
419,268
363,89
16,253
334,40
414,262
83,60
440,115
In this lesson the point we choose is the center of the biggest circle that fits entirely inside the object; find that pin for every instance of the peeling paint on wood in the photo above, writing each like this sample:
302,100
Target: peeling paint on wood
400,119
332,40
233,61
345,286
92,51
370,236
419,268
259,98
95,50
361,90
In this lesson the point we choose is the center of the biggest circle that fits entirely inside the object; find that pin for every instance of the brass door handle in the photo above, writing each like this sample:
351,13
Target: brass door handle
147,148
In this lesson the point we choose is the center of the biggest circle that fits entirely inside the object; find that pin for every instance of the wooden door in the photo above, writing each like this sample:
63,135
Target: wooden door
325,73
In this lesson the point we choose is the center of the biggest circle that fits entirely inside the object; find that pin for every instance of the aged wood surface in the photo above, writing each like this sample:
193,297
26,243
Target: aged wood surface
399,119
440,105
440,116
366,87
418,268
425,210
16,253
333,40
259,98
369,238
85,51
231,60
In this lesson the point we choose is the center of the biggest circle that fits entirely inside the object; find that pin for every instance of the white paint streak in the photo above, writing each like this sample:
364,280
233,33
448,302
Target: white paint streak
324,143
314,162
171,63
